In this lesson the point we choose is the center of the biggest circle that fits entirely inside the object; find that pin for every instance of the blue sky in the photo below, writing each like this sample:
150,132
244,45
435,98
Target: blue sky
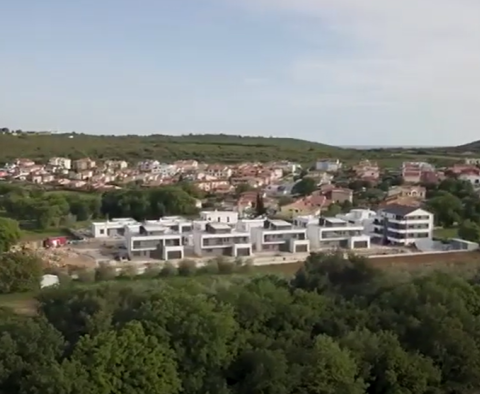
342,72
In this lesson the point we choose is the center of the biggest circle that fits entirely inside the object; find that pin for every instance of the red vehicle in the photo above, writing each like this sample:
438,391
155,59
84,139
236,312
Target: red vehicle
55,242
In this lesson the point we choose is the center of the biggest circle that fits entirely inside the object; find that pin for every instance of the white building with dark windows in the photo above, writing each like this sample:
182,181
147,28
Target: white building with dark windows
153,241
280,236
227,217
402,225
111,228
220,239
333,233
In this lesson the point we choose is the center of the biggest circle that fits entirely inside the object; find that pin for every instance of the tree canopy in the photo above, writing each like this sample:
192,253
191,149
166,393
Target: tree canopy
339,326
10,234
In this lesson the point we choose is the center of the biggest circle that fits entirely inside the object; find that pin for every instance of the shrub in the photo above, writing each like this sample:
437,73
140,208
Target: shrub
187,268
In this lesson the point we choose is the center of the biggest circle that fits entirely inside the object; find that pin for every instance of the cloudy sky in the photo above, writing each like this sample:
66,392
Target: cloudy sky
344,72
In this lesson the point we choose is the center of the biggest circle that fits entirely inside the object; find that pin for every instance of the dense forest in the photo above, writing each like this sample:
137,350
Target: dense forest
206,148
339,326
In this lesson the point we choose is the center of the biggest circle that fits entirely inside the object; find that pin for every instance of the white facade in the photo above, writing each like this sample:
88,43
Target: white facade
111,228
328,165
280,236
62,162
402,225
331,233
305,221
361,217
227,217
220,240
175,223
473,178
472,161
153,241
246,225
148,165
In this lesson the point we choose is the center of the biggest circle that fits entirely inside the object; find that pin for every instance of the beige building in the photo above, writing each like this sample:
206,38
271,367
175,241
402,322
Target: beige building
84,164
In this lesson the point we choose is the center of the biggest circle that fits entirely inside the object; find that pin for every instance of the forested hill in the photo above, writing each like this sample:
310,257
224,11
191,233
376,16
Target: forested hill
471,147
207,148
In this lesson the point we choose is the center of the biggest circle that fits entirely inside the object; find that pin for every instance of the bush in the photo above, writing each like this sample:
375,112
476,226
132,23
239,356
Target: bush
128,272
187,268
168,270
85,275
210,268
105,272
152,271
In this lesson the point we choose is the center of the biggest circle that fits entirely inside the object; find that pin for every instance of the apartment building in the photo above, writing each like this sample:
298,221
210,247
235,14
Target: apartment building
111,228
402,225
280,236
337,233
227,217
153,241
220,239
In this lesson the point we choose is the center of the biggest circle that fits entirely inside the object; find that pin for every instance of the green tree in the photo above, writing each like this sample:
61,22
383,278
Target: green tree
19,272
260,209
305,187
10,234
333,210
125,361
330,370
447,209
469,231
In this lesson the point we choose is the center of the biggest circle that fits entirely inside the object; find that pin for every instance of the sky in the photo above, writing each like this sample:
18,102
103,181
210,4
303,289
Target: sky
342,72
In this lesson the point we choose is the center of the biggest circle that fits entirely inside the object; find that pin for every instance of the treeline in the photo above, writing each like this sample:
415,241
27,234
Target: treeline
339,326
37,209
456,203
206,148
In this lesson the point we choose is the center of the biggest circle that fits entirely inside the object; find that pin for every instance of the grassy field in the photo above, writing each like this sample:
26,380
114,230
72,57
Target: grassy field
21,303
445,233
35,235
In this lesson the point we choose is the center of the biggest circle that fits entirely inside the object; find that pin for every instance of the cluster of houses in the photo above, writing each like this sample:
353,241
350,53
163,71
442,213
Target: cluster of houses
270,181
225,233
92,174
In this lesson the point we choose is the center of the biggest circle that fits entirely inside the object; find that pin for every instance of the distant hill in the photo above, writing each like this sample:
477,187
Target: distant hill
207,147
470,147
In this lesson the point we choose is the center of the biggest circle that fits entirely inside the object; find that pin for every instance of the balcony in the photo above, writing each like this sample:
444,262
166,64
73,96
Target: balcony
325,235
279,238
215,242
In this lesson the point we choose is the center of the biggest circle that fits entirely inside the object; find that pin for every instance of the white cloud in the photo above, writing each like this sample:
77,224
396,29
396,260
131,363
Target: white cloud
407,53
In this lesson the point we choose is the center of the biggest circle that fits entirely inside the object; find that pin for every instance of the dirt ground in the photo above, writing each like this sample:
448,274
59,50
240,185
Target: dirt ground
66,257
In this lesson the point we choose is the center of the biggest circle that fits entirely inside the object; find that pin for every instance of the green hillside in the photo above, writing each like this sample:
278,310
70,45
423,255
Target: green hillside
208,148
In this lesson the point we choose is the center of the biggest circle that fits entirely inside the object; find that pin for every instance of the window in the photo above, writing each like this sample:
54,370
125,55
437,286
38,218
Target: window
218,219
102,232
228,219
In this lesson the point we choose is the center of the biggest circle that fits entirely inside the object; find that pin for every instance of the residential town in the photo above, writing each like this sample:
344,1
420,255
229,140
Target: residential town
330,205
